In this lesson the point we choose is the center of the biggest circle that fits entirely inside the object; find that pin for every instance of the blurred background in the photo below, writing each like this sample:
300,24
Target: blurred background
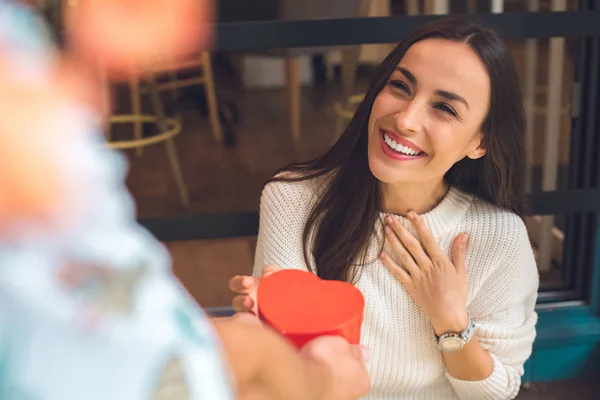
242,115
233,118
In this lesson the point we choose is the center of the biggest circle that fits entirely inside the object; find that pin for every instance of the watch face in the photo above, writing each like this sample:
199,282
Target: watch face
452,344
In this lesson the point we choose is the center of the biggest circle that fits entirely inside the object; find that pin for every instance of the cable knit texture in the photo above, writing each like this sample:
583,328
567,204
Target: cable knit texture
406,364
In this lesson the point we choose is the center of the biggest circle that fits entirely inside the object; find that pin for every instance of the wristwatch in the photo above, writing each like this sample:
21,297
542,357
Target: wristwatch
454,342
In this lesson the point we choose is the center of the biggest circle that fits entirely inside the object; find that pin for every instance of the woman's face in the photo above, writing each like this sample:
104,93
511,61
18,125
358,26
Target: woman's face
429,114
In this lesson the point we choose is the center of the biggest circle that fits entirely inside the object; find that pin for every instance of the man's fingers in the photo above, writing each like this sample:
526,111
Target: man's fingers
243,303
361,353
246,318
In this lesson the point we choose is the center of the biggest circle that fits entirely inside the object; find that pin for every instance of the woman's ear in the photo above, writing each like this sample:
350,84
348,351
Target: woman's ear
478,149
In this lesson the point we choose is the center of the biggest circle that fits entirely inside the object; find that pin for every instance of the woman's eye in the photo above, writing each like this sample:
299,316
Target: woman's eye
446,108
400,85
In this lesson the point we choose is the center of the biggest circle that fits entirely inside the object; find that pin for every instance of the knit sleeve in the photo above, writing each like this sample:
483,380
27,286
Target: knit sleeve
284,208
504,311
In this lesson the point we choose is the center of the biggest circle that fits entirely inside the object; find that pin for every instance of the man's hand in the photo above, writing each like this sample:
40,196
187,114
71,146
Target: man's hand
266,366
340,365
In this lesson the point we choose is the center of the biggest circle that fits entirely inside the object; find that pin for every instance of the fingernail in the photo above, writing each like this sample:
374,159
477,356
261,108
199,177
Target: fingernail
390,219
366,353
411,215
246,282
465,238
383,255
388,230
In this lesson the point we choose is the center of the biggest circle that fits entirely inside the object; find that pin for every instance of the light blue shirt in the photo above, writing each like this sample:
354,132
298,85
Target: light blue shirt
91,310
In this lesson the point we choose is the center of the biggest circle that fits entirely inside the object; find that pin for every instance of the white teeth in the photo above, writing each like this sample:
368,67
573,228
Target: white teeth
399,148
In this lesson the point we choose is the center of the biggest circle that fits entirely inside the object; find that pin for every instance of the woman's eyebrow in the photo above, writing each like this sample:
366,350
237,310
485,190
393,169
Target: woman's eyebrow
452,96
443,93
409,75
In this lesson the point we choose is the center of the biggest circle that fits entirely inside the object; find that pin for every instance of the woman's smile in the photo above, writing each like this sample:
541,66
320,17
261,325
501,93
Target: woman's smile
399,148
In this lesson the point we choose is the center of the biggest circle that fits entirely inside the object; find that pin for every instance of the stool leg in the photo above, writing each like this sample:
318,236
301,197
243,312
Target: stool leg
177,173
170,148
177,114
412,7
173,78
349,65
211,98
438,7
293,92
136,110
107,122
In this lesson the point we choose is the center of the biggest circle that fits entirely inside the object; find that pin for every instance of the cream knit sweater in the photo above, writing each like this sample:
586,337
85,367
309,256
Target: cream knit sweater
406,364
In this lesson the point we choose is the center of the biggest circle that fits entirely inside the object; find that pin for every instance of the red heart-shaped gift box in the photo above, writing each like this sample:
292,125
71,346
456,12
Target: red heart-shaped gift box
301,306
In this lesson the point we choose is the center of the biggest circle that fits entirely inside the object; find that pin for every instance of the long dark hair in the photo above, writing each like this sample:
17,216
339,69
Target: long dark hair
343,219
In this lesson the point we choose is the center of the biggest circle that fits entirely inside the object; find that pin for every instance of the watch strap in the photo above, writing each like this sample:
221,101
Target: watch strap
465,336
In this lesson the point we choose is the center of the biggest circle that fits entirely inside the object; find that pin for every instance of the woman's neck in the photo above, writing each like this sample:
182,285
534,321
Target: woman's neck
419,197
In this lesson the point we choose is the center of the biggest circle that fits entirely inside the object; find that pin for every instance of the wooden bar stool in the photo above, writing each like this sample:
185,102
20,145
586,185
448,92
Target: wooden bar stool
206,78
168,128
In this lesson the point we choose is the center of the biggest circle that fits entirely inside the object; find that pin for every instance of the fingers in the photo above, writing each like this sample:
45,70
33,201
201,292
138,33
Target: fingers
323,347
247,286
243,303
361,353
346,363
395,269
409,242
459,251
405,257
243,284
269,270
246,318
426,238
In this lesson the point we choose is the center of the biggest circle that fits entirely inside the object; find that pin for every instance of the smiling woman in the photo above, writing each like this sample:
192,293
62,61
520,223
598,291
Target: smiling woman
423,114
419,204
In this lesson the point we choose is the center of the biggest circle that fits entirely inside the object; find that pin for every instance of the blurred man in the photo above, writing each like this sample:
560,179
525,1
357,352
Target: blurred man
89,308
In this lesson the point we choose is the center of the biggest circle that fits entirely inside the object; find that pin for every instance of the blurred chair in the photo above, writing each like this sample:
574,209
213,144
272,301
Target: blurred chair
203,65
168,129
306,10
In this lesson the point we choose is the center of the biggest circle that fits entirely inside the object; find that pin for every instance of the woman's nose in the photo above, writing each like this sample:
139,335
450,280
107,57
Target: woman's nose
408,120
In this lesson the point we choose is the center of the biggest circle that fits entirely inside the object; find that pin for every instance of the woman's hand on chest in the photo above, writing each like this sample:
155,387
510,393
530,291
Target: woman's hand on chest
437,283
